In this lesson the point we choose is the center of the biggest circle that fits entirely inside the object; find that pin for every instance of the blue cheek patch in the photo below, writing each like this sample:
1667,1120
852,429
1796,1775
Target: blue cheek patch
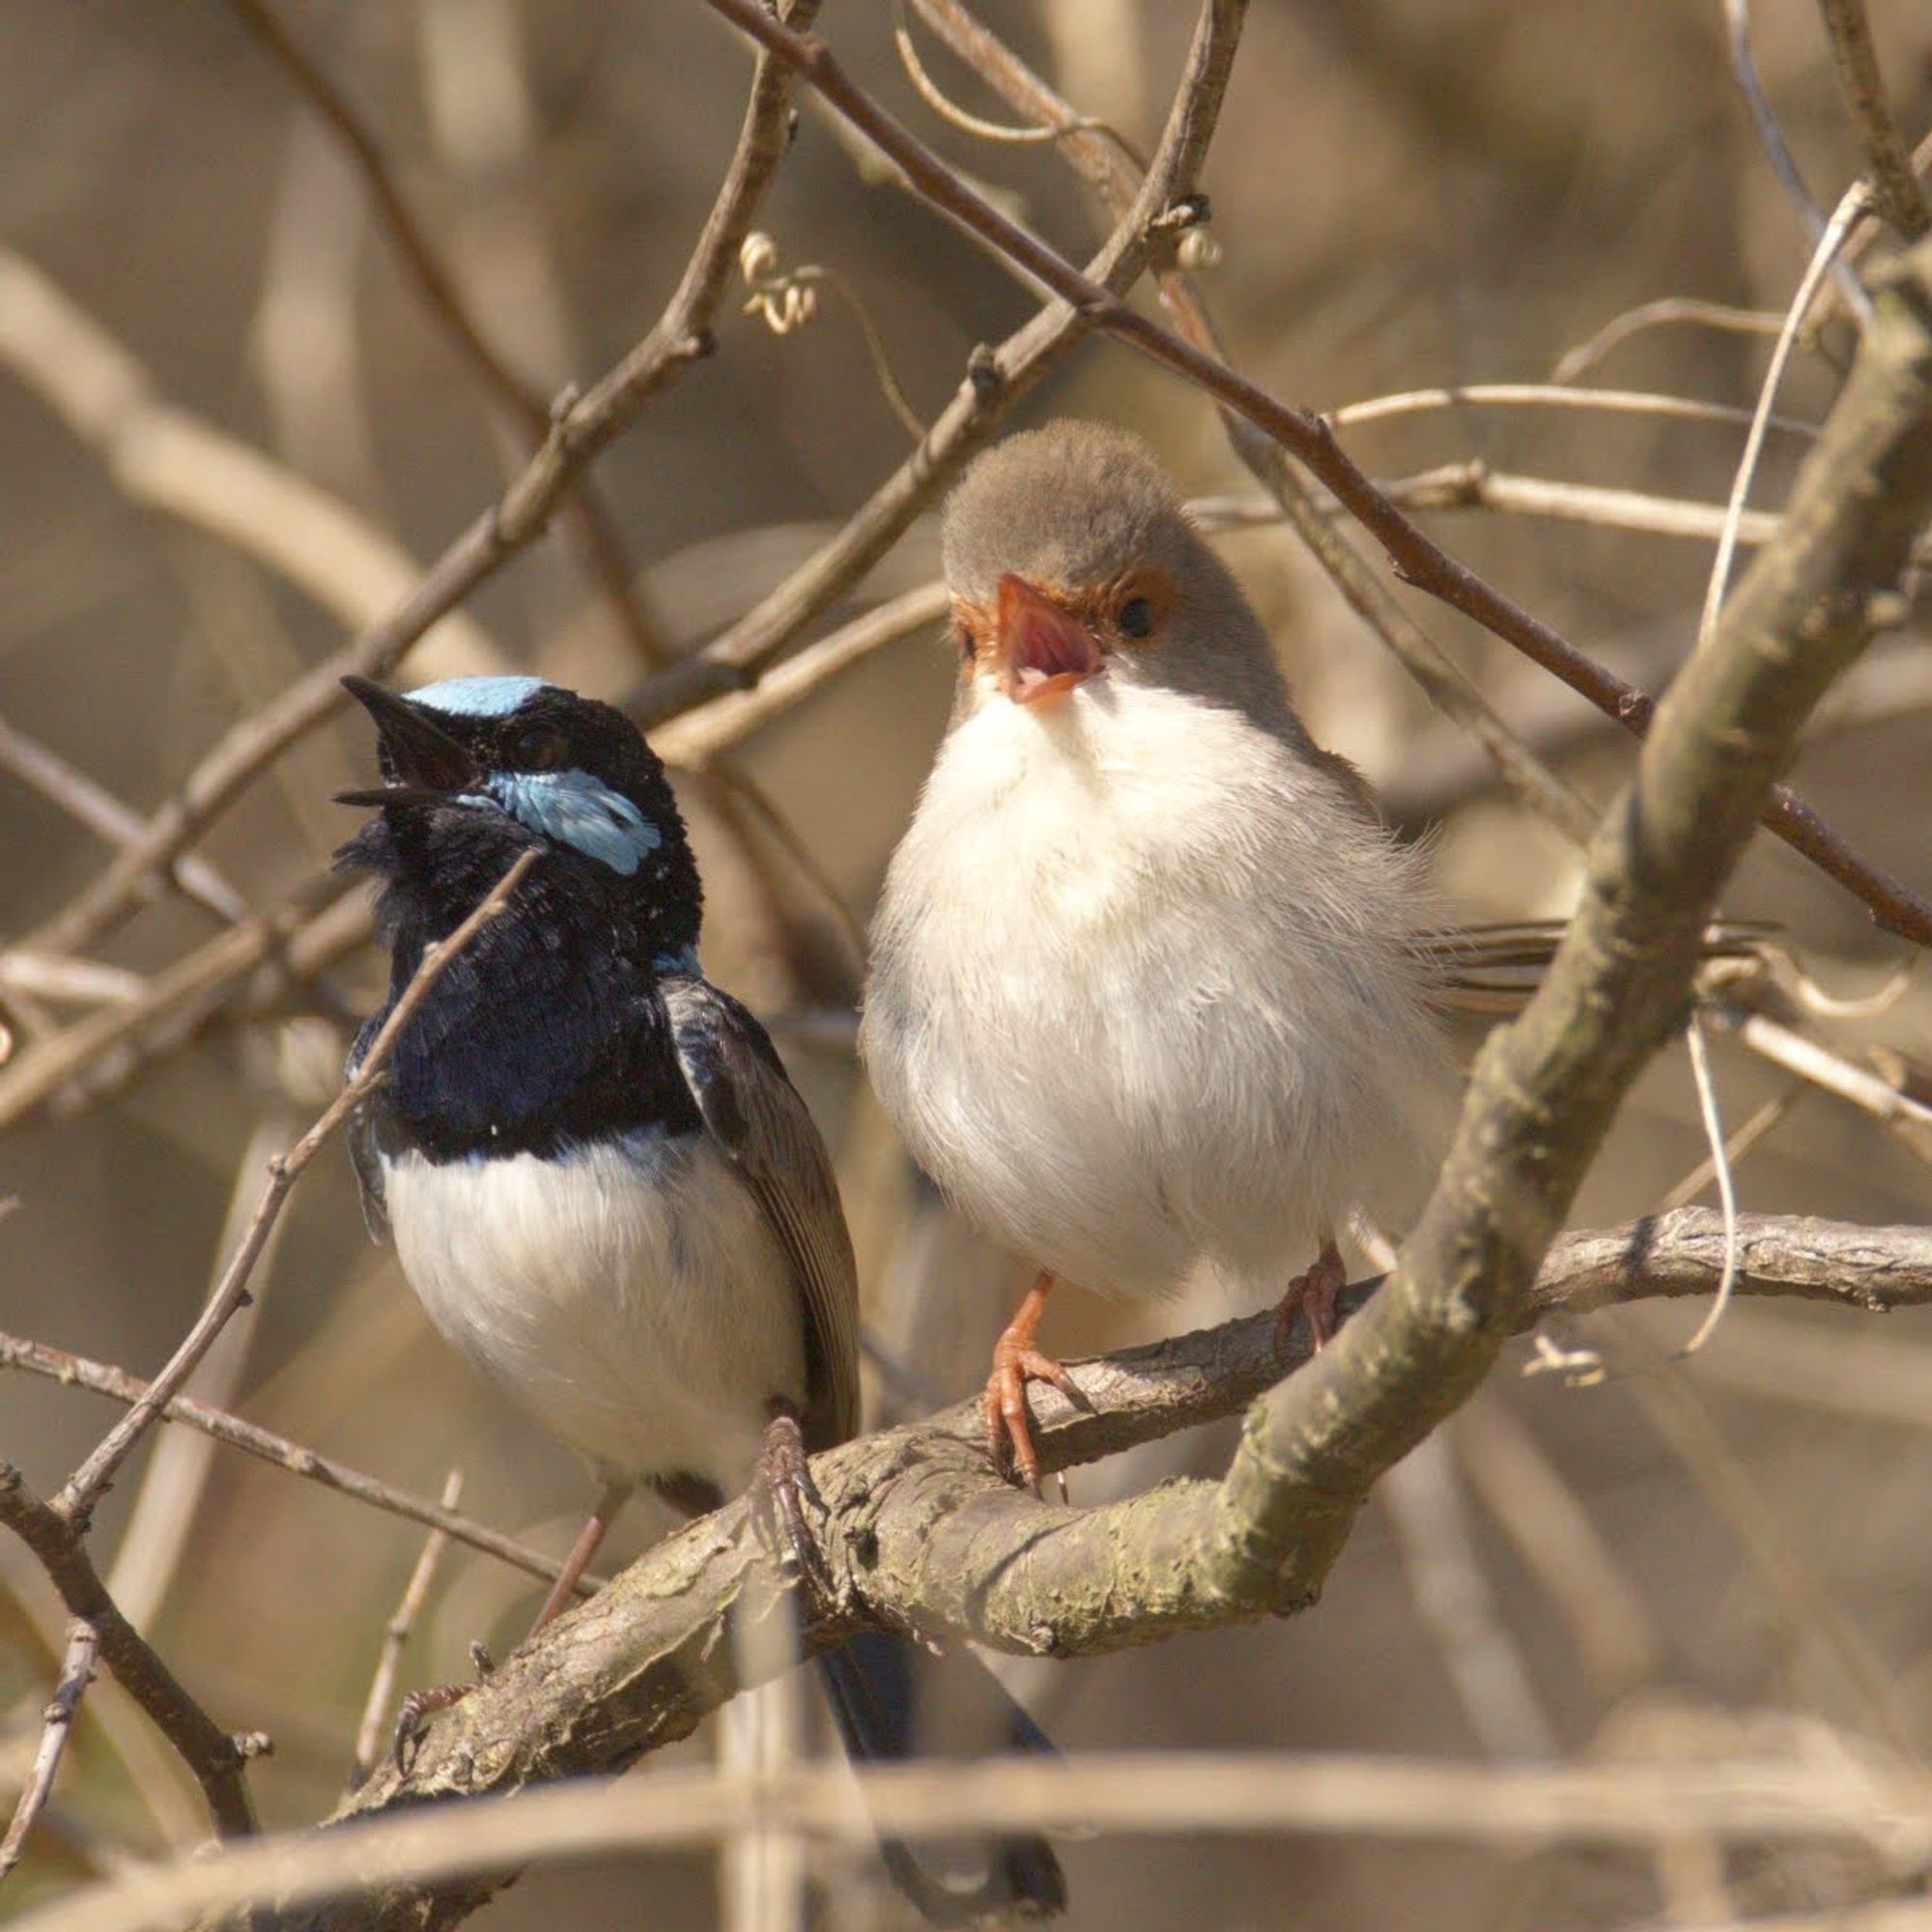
575,809
477,696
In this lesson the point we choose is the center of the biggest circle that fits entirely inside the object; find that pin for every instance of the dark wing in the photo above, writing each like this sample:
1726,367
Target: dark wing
360,1134
756,1114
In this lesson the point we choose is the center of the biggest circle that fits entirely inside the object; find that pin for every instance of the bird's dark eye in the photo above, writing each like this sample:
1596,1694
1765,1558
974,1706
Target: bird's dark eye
538,749
1135,617
962,638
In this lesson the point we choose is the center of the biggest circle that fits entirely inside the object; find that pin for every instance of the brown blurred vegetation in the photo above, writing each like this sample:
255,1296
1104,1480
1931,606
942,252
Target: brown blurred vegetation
1405,194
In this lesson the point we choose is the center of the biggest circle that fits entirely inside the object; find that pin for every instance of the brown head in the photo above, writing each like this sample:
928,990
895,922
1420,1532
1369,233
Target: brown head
1070,557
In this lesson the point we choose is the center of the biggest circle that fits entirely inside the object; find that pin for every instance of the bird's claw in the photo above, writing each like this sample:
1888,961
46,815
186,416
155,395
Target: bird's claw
1009,1428
780,1490
419,1706
1311,1296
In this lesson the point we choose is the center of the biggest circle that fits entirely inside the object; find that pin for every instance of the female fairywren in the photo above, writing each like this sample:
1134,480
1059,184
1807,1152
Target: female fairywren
1149,983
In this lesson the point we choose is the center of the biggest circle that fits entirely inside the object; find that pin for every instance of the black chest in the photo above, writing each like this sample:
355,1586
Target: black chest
547,1029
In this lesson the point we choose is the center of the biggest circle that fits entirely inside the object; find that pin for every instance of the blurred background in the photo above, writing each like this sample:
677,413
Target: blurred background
1691,1561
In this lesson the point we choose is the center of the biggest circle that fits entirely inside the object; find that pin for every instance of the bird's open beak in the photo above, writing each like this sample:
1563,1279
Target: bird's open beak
424,756
1040,649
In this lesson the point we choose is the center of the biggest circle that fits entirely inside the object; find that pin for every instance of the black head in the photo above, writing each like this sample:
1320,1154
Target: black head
476,767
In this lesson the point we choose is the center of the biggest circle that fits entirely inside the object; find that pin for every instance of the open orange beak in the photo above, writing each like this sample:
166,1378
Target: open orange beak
1040,649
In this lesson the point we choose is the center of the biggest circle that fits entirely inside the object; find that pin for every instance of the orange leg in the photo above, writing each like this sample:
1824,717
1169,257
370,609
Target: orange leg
1015,1363
611,1499
1311,1296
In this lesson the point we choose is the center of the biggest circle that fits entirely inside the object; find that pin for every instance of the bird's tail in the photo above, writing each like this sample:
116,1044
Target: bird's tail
876,1683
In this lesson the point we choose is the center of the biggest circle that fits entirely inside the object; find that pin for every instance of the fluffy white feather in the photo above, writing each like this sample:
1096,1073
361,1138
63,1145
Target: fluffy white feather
1142,993
631,1296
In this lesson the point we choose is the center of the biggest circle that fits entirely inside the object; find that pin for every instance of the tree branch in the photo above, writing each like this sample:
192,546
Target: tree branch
581,427
923,1534
214,1757
1307,437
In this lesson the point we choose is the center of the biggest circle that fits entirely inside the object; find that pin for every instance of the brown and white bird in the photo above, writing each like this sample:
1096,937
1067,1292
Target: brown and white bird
1151,986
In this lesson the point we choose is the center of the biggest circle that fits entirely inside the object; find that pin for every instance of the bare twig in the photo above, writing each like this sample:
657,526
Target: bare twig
83,1645
1305,435
1749,1801
1660,314
580,428
996,380
1895,187
1552,396
214,1757
1778,1043
156,1531
79,1494
1831,238
1778,152
295,943
37,1358
161,455
443,299
103,814
370,1732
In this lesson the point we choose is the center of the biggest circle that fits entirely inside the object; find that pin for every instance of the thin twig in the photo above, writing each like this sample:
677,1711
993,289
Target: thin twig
579,431
38,1358
1830,240
1895,187
216,1759
95,806
155,1536
82,1490
294,943
996,380
1773,1040
1552,396
443,297
1777,151
1305,435
369,1733
163,456
83,1645
1666,312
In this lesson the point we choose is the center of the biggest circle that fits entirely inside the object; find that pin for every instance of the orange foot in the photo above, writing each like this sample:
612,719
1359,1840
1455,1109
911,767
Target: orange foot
1015,1363
1311,1296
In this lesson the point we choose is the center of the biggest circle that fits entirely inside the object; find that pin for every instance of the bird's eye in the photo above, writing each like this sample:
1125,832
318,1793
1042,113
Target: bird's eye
538,750
962,638
1135,617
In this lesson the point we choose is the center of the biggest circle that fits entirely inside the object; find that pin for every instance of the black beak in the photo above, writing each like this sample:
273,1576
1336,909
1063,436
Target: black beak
425,758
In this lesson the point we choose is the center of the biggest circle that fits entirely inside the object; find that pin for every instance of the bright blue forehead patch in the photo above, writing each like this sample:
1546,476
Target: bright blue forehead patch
576,808
477,696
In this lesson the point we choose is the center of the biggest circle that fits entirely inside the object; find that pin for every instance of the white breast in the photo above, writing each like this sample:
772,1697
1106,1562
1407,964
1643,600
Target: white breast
1141,993
629,1296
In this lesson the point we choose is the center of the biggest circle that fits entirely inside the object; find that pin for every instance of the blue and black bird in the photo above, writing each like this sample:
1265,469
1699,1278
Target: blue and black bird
599,1179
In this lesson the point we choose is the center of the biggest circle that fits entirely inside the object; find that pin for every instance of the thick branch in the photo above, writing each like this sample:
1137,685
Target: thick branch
1547,1088
925,1534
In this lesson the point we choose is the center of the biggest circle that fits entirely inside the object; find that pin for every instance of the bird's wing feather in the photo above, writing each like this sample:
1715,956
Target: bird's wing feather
756,1114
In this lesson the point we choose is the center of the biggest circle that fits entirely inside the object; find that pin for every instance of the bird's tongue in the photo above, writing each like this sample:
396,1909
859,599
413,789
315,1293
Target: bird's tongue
1043,649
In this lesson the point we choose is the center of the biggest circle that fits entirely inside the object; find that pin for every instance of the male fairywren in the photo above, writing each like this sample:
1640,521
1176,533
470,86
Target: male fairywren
601,1182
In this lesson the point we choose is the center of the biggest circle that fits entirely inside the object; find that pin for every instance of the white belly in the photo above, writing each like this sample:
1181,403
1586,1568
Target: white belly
631,1296
1141,995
